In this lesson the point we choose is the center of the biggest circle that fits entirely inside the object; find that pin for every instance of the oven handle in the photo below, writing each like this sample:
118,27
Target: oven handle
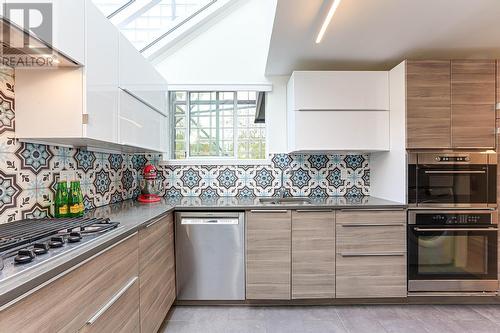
454,229
454,171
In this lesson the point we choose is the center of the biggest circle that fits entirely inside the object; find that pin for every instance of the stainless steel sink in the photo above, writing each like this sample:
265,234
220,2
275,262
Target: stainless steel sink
285,201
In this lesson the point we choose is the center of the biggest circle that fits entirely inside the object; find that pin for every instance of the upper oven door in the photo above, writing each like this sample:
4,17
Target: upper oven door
452,184
461,180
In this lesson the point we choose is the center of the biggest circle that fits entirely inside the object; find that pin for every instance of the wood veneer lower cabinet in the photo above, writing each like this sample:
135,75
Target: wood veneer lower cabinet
122,315
268,254
156,272
313,254
96,289
371,254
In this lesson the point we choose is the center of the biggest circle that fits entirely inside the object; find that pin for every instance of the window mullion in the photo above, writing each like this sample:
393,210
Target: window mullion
187,138
235,125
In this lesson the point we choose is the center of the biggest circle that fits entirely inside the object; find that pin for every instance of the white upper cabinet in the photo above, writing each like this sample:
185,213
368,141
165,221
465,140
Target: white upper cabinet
140,78
105,104
338,131
101,77
67,21
339,90
338,111
141,125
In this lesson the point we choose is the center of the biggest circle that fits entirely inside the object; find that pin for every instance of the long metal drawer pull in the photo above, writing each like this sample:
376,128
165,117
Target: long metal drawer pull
388,210
269,211
454,171
455,229
314,210
372,225
380,254
112,301
153,223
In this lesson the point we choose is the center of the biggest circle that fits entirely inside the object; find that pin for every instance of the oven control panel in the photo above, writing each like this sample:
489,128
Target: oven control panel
449,218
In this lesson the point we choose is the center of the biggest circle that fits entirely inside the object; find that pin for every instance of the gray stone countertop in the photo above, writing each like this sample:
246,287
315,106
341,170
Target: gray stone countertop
133,216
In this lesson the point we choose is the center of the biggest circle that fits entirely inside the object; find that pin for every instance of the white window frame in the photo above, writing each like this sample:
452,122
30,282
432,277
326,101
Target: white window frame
212,160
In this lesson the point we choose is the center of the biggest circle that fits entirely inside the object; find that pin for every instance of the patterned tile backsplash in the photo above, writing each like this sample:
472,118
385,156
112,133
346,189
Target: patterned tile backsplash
29,173
301,175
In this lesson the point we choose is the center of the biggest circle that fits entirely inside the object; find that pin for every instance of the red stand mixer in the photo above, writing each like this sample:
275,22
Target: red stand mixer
150,185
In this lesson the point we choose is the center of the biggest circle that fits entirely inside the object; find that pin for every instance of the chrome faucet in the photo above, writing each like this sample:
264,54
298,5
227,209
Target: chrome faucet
283,190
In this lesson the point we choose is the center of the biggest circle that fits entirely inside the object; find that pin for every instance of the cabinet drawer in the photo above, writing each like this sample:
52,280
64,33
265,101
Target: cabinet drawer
120,314
373,237
371,232
90,285
368,275
379,217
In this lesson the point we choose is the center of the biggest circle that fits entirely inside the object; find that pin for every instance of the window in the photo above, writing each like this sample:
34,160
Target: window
216,124
145,22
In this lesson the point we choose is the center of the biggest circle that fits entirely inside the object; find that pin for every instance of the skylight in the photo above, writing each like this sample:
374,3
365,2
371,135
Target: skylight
111,7
144,22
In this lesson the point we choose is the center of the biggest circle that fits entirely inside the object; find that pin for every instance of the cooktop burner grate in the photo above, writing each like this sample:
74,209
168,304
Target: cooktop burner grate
15,234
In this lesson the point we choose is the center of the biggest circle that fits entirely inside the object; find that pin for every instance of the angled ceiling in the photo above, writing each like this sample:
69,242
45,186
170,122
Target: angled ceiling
378,34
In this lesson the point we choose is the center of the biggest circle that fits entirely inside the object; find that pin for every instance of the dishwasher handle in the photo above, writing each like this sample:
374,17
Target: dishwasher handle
209,221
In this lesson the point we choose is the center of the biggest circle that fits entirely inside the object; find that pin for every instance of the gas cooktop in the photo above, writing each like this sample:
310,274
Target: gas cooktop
26,243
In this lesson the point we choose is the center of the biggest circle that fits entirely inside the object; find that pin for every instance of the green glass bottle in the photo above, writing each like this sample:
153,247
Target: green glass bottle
61,200
75,200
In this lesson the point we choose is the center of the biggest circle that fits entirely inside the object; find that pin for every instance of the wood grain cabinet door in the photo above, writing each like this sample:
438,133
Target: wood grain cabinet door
313,254
473,103
268,254
156,272
68,303
498,90
371,254
428,103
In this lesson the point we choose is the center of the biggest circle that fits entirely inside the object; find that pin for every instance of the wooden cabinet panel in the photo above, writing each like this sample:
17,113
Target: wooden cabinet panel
475,127
313,254
473,103
428,104
375,238
371,254
371,276
498,89
90,286
157,272
268,254
122,316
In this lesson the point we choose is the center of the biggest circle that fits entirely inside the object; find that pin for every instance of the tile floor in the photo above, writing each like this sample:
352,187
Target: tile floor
323,319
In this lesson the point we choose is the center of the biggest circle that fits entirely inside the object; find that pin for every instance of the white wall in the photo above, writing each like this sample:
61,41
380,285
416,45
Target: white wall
276,115
388,169
231,50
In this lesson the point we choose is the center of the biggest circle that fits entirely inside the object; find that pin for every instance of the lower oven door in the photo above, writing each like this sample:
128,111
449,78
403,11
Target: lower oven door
459,258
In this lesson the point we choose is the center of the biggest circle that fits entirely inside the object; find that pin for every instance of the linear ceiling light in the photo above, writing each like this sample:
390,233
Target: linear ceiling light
328,19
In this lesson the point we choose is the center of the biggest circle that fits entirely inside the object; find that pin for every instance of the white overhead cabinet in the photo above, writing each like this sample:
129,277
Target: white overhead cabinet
88,105
143,101
141,126
138,77
67,20
338,111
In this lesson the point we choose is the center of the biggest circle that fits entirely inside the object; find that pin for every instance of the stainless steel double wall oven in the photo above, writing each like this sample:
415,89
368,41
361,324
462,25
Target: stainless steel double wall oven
452,222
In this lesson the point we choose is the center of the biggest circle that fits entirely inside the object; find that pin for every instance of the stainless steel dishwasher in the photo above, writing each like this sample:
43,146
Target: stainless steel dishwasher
210,256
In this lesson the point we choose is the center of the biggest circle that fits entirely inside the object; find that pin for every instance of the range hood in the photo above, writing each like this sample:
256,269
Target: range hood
20,48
